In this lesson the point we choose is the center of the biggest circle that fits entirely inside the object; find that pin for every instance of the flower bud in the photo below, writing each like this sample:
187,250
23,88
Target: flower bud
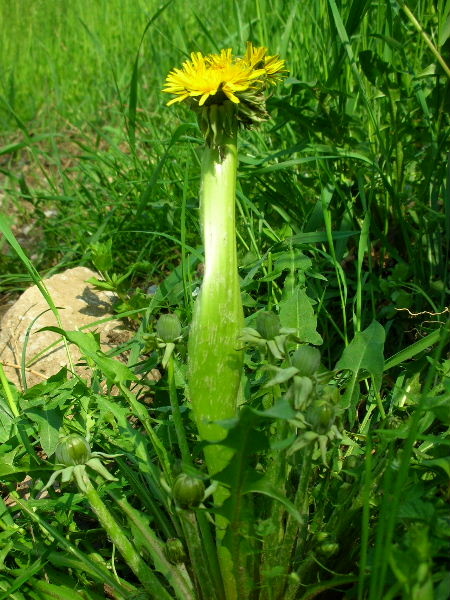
268,325
328,548
174,551
320,417
188,491
307,360
72,450
349,467
351,462
393,422
168,328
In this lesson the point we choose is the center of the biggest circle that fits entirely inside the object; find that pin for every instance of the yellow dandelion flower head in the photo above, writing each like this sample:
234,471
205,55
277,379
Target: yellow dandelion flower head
216,78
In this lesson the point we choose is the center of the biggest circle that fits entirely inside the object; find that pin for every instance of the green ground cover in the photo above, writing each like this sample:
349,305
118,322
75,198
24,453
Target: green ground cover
337,490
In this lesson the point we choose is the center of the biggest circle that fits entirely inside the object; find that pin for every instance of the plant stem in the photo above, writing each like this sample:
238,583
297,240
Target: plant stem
276,473
7,390
141,412
176,414
215,364
176,578
211,552
426,39
293,541
199,561
115,532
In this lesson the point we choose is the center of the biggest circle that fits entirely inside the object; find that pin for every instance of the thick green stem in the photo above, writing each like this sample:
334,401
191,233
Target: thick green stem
215,363
115,532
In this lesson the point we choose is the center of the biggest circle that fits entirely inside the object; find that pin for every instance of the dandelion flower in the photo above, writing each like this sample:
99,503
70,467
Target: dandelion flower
217,78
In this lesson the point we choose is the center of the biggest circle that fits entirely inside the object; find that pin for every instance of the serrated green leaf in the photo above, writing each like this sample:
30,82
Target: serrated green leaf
297,312
100,284
49,423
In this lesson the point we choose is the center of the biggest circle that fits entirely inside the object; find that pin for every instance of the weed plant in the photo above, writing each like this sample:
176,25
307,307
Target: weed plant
338,485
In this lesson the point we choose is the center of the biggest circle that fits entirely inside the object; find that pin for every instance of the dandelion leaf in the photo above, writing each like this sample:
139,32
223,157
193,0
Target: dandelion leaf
297,312
365,352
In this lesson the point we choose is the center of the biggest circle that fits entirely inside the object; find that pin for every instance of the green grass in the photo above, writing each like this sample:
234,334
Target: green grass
344,194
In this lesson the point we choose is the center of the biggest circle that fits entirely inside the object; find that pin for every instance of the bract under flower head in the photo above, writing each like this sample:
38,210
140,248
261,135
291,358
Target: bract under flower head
218,78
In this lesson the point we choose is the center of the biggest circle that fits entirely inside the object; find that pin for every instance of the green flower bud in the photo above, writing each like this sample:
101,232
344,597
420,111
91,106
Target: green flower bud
168,328
72,450
393,422
268,325
307,360
188,491
320,417
350,465
328,394
351,462
174,551
328,548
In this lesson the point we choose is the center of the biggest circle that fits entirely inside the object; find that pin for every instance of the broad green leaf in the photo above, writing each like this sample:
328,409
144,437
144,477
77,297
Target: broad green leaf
297,312
316,237
365,352
243,436
374,68
282,409
440,406
49,423
416,509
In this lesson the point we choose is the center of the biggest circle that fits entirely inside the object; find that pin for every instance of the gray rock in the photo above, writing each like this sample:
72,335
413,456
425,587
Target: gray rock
79,304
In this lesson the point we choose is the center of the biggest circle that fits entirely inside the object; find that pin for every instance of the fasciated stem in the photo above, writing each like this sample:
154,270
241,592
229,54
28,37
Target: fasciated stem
215,362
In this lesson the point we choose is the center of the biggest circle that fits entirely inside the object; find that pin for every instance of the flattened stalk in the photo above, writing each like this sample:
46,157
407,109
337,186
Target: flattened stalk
215,362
